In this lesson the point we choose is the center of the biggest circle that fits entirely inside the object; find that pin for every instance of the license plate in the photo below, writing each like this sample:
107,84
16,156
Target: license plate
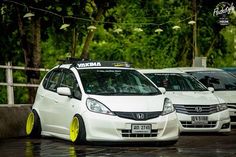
141,128
199,120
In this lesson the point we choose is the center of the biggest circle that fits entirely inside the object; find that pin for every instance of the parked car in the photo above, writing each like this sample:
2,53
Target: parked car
231,70
223,83
101,101
198,109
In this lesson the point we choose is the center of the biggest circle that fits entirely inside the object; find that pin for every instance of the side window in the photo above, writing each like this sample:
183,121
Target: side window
175,82
45,81
53,81
69,80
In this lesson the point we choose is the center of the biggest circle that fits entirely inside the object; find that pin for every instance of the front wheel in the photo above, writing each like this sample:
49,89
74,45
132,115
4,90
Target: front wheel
77,130
33,125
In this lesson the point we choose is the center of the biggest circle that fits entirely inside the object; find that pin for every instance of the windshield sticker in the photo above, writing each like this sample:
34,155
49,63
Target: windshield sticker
207,72
109,71
165,74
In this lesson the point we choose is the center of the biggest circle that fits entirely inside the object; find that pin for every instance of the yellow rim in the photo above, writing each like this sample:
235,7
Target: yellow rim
30,123
74,129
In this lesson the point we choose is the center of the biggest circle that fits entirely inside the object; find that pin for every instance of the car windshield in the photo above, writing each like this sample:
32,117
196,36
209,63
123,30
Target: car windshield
176,82
116,82
219,80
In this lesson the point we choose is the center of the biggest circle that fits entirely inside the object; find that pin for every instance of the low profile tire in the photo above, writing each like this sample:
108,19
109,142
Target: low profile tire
33,125
77,130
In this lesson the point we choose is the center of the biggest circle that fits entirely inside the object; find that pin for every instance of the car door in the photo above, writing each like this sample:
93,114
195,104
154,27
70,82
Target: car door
49,98
67,106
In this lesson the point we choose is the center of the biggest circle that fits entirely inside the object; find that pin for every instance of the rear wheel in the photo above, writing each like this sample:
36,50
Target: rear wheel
77,130
33,125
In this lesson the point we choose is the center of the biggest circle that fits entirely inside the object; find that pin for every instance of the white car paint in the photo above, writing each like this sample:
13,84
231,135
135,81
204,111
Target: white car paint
132,103
194,98
229,96
56,113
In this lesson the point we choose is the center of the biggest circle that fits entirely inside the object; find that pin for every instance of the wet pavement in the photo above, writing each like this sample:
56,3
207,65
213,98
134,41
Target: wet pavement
189,145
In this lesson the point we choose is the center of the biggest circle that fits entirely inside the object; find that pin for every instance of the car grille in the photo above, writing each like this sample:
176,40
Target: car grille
188,124
233,106
128,133
196,109
233,118
138,115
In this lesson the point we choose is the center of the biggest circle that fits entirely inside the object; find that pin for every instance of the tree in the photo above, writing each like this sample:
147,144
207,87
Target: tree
137,41
29,28
125,30
102,6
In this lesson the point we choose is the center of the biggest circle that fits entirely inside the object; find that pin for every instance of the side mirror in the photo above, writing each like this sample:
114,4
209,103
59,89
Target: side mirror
211,89
162,89
65,91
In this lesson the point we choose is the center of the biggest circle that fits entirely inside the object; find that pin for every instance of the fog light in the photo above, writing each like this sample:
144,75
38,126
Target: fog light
225,126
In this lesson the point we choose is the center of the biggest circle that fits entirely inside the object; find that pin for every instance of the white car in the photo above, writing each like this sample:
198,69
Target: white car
198,109
101,101
224,85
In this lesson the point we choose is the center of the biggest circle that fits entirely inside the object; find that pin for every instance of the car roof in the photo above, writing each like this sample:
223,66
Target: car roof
233,69
195,69
178,70
165,70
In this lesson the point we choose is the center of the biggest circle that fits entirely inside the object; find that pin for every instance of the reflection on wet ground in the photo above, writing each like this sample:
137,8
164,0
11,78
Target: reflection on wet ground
189,145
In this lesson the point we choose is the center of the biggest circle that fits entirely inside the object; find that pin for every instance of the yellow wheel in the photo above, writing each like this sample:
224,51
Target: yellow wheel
74,129
77,130
33,125
30,123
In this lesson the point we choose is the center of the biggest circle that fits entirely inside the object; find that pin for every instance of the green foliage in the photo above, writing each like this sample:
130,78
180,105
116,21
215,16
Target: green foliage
3,97
3,89
145,49
126,33
52,51
229,35
21,95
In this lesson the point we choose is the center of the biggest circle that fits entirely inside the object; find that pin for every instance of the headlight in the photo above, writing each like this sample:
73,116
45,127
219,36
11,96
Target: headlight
95,106
221,107
168,107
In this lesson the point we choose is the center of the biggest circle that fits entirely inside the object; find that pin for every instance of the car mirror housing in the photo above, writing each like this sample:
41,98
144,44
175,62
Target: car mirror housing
162,89
211,89
65,91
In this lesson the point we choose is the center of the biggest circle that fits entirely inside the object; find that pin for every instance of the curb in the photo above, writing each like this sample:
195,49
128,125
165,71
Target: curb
13,121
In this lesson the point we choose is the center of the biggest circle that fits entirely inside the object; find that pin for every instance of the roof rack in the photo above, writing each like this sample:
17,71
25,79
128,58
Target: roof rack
78,63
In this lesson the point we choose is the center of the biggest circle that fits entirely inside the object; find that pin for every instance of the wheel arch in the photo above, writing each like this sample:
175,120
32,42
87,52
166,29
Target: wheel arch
82,130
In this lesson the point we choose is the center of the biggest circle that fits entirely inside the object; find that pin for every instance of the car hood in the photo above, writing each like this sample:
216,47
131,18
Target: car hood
193,98
132,103
228,96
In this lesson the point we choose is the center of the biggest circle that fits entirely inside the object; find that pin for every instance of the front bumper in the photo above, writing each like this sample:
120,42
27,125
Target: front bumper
100,127
217,122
